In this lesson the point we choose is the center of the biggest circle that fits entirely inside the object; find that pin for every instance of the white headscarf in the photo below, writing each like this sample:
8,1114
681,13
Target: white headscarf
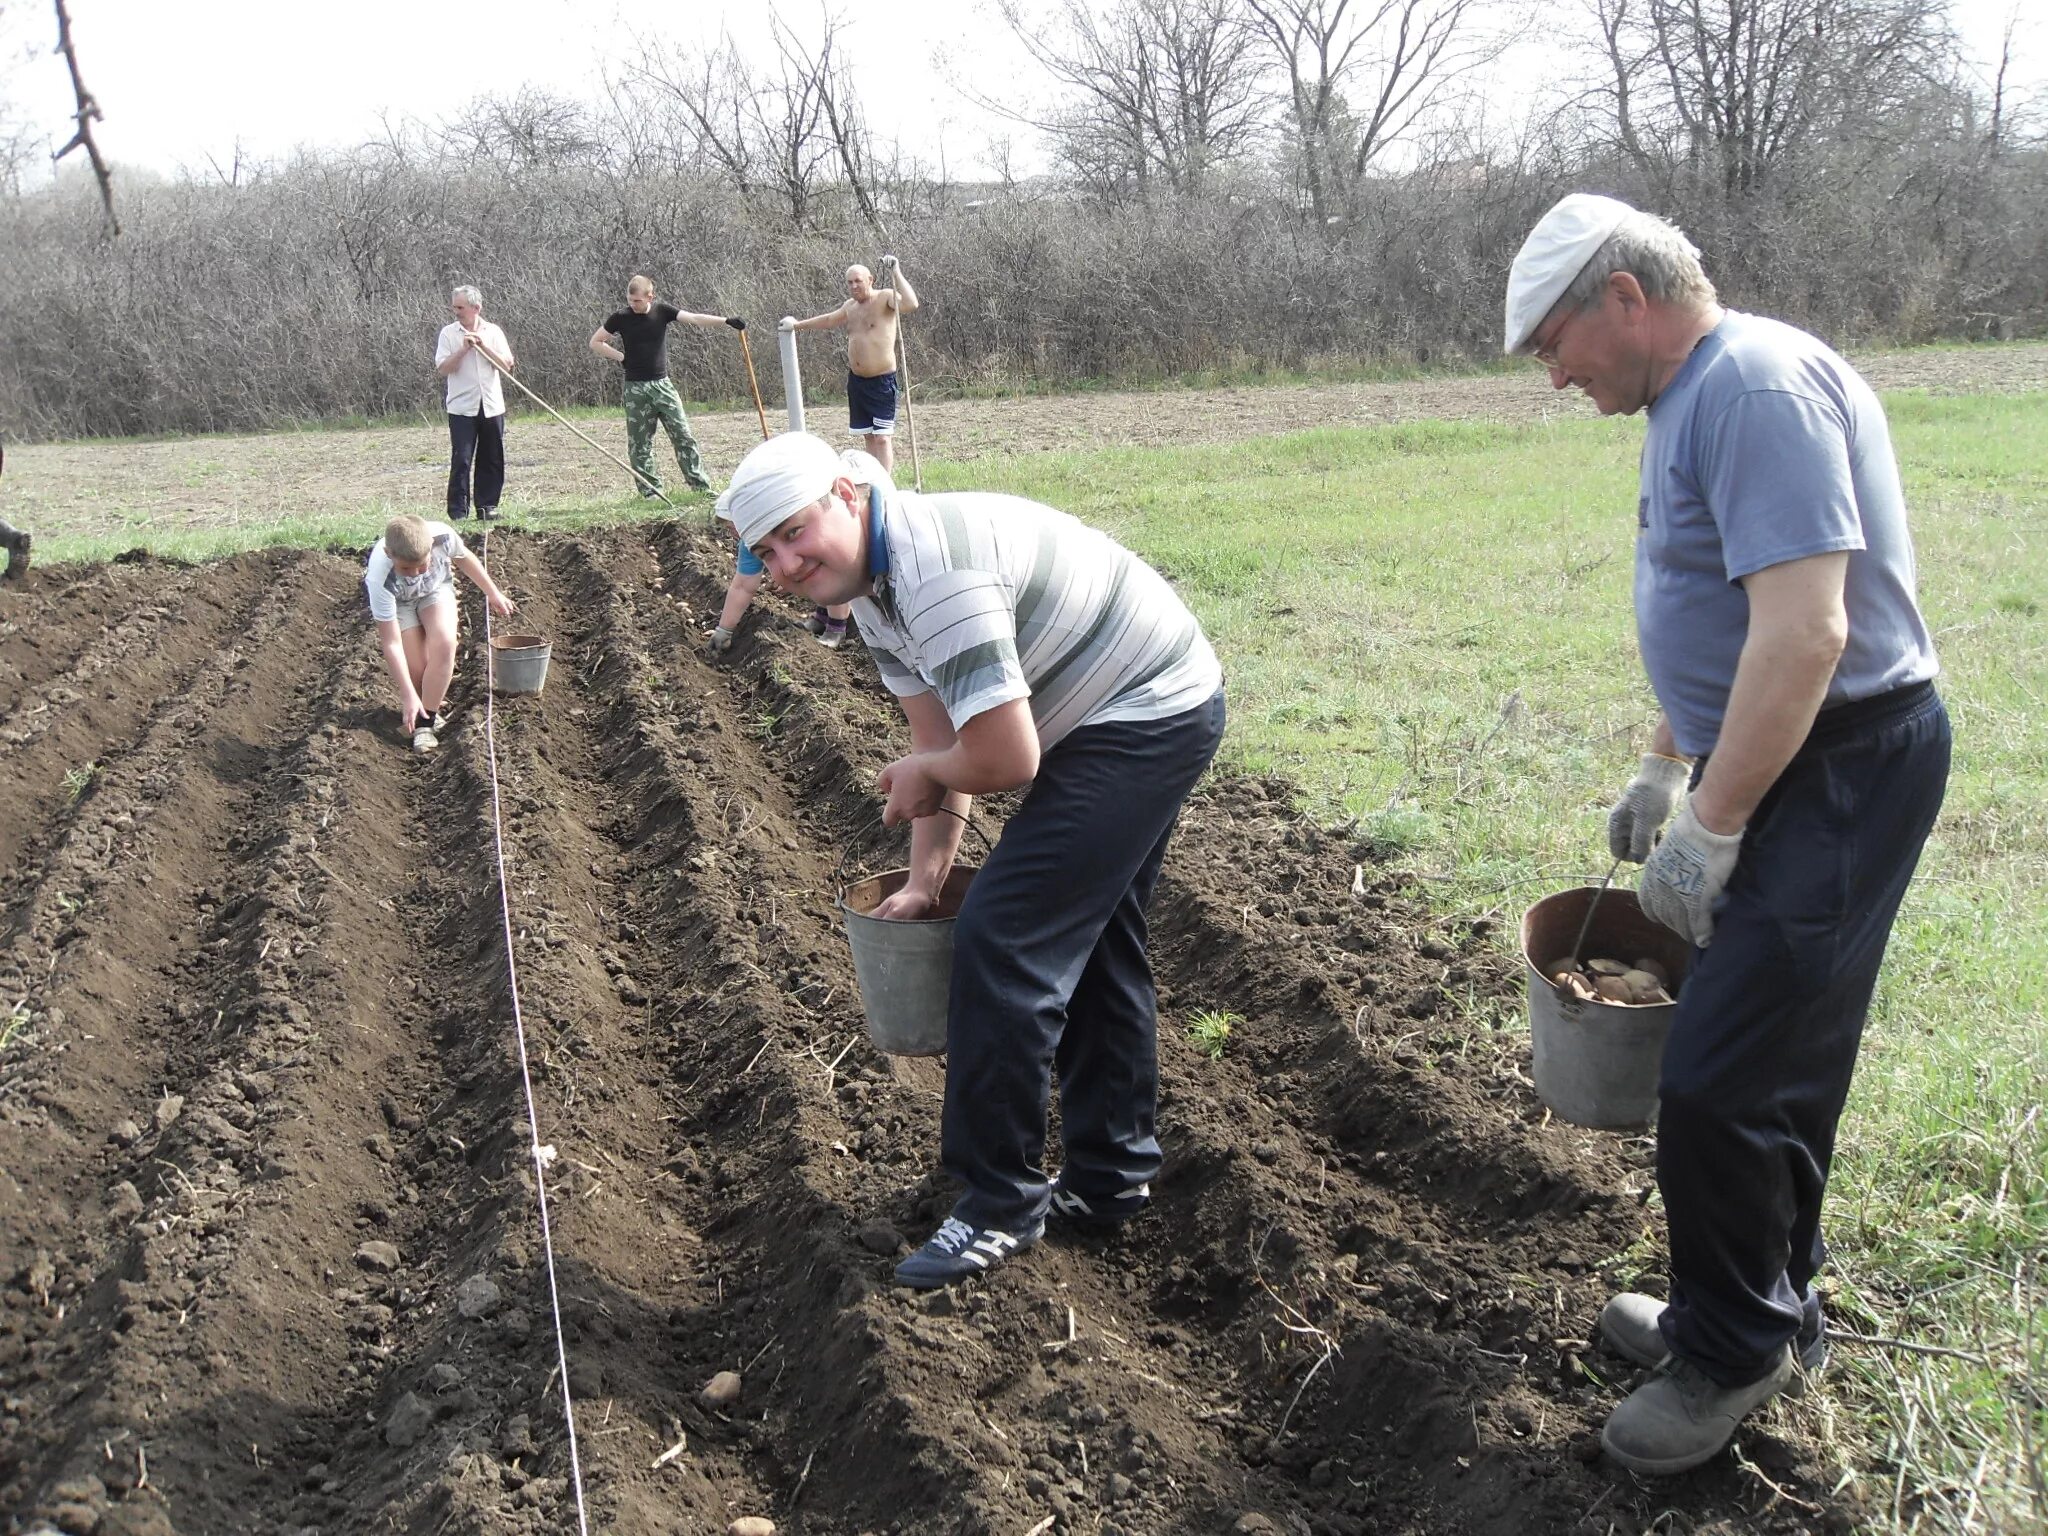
777,479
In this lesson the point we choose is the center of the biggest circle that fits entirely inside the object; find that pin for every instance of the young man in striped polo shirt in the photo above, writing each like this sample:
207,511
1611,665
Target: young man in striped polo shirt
1024,648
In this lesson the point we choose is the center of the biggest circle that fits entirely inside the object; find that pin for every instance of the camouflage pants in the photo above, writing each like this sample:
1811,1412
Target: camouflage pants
652,401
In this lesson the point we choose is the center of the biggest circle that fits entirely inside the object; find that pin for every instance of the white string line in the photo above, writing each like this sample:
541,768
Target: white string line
541,1154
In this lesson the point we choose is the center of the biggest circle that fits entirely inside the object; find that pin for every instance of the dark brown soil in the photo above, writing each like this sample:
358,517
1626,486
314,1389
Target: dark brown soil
272,1254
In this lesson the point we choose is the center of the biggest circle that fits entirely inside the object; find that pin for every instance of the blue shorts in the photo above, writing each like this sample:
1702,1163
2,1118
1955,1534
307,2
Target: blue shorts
871,404
750,563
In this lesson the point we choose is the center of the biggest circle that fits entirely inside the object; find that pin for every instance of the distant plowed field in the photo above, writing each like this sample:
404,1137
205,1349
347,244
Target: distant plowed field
111,489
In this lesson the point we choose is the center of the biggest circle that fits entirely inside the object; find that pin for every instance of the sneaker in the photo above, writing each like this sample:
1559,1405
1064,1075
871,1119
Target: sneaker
834,635
439,723
817,621
1629,1325
488,514
1100,1212
960,1252
424,739
1683,1417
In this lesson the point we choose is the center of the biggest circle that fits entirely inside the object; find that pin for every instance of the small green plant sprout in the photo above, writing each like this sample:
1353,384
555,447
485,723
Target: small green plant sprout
1209,1029
78,780
14,1023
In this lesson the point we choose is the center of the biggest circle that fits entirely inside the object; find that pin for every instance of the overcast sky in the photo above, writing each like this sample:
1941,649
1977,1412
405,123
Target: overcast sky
182,80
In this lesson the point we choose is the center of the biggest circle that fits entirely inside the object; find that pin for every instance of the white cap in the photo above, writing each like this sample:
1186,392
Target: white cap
779,478
1562,242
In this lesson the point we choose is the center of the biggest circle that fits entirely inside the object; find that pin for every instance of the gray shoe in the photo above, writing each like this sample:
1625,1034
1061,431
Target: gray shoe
1629,1325
1683,1417
424,739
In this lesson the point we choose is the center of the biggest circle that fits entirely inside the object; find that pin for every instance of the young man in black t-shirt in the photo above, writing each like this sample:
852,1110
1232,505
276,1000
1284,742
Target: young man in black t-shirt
637,336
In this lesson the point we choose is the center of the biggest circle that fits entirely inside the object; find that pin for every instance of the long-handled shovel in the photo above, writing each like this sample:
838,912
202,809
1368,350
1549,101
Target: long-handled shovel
903,371
753,383
600,447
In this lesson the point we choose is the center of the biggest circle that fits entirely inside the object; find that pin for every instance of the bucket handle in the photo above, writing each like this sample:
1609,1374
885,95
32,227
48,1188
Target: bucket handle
865,836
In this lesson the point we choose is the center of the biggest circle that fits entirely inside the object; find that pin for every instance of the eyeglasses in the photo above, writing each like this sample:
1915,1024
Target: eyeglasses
1547,353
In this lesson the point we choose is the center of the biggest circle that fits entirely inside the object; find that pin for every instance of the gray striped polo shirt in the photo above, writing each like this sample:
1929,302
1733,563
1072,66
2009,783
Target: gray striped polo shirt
990,598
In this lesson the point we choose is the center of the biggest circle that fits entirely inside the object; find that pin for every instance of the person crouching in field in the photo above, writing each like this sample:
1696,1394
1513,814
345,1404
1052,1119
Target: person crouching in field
637,336
1025,648
411,583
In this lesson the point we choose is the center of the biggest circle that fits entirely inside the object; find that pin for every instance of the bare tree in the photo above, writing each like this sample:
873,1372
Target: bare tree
87,114
1360,75
1153,90
1731,89
776,128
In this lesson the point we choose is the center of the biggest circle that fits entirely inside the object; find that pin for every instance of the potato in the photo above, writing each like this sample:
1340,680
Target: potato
1605,967
1613,989
1565,975
721,1391
1579,987
1655,969
1641,985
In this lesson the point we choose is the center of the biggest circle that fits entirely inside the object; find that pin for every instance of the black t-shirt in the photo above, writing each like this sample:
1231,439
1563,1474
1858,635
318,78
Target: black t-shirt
644,340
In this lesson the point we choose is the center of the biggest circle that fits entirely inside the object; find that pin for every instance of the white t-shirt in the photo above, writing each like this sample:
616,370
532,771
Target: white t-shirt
475,385
387,588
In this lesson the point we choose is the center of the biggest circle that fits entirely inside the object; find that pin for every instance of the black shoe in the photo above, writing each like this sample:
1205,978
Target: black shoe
1100,1213
959,1252
488,514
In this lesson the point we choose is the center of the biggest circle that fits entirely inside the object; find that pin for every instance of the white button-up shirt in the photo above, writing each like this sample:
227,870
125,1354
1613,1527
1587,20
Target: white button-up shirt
475,385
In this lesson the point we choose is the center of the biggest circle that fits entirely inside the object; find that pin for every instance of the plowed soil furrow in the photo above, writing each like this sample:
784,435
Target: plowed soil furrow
76,705
153,1150
267,1161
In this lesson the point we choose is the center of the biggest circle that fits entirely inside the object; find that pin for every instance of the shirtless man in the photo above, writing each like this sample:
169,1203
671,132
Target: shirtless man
869,316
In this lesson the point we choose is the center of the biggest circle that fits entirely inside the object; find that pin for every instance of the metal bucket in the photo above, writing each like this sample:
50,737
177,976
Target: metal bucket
904,965
519,663
1596,1062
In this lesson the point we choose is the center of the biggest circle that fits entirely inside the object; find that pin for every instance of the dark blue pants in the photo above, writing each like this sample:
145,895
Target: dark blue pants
1049,969
477,440
1770,1021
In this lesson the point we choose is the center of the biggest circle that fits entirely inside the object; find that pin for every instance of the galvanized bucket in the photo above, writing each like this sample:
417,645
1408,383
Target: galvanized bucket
519,663
904,965
1596,1062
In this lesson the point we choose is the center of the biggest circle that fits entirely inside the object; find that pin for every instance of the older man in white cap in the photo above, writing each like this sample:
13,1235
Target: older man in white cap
1024,648
1776,616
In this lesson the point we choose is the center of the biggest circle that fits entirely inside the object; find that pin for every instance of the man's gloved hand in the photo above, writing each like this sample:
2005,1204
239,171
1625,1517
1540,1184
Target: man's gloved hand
736,322
720,641
1685,876
888,262
1645,806
786,323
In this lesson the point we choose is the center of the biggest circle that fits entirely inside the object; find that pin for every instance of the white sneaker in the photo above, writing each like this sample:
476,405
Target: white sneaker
424,739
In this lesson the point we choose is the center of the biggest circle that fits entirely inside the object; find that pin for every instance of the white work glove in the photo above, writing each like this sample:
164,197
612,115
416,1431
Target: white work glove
719,642
1685,876
888,262
1645,806
786,323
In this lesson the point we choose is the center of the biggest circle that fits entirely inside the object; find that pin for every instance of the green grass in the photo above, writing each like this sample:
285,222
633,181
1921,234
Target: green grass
1427,627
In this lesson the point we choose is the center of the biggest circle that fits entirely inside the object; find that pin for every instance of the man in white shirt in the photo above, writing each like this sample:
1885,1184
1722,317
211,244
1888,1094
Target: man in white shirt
464,355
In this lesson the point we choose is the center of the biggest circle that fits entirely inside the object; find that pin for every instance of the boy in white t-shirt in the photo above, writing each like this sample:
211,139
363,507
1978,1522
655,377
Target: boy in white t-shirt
411,585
